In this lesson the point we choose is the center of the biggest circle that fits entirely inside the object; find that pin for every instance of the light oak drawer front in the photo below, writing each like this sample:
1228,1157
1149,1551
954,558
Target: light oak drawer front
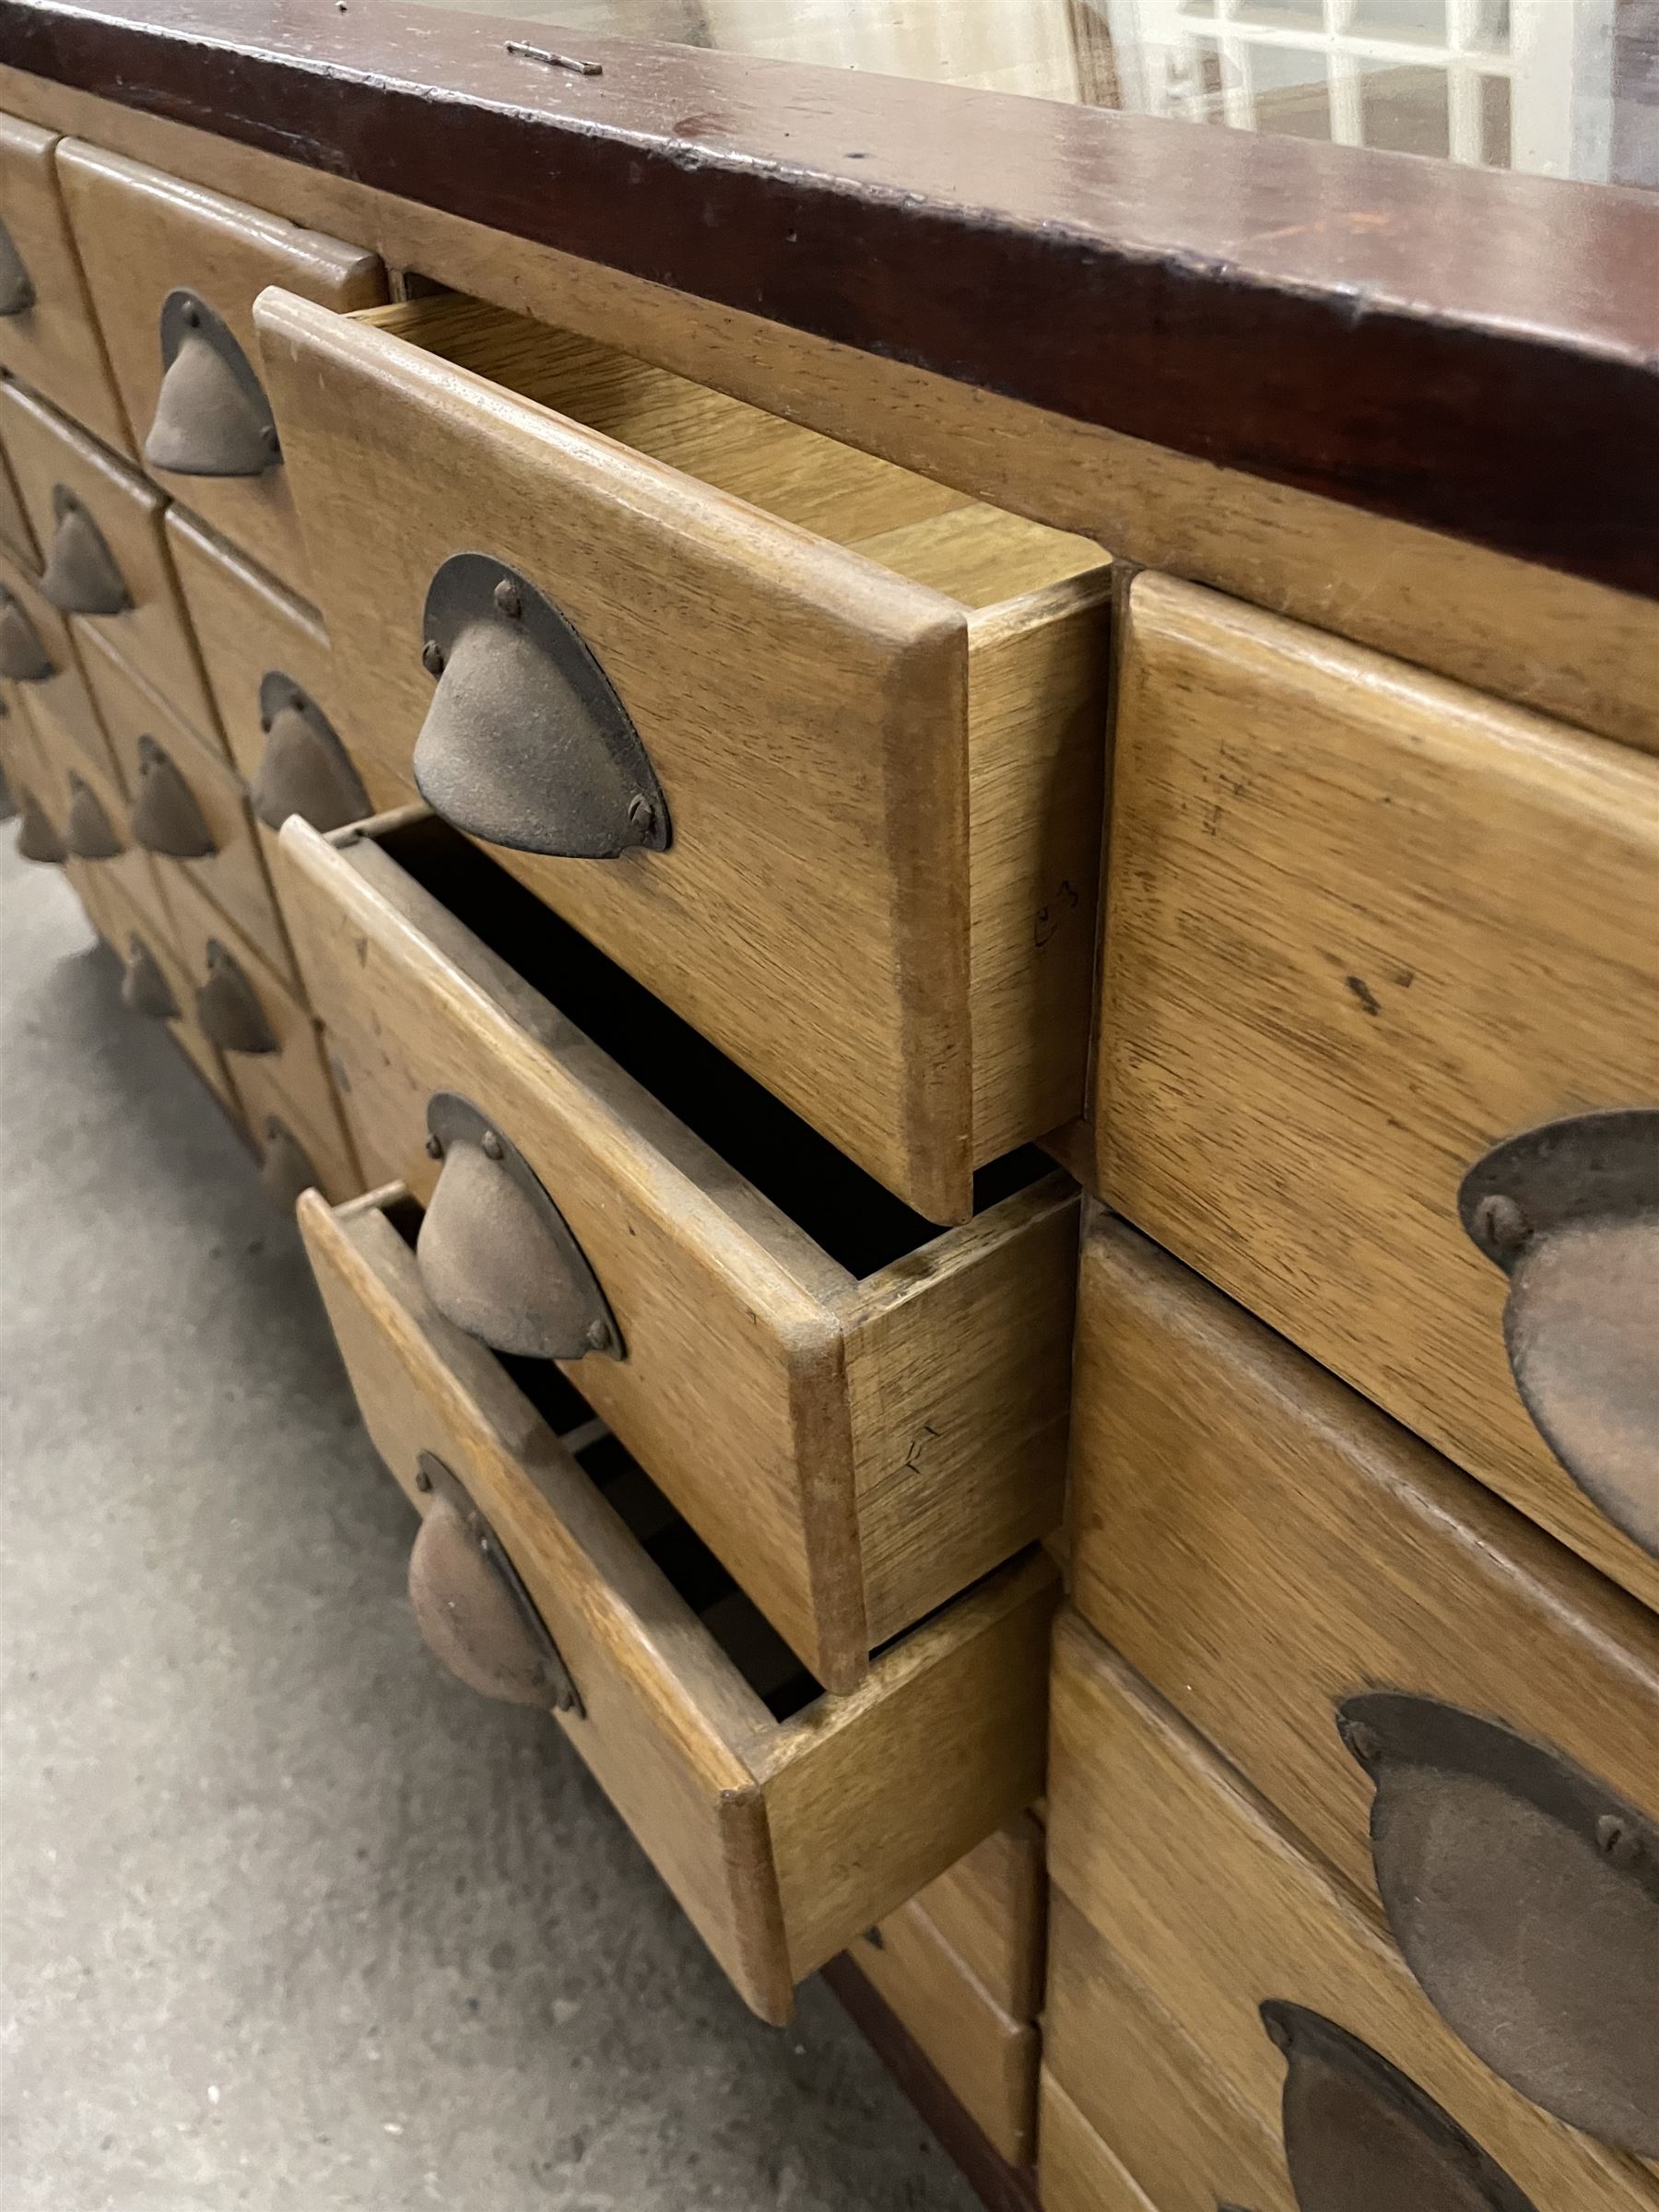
1451,1707
52,344
155,982
1078,2172
189,808
173,272
987,2059
15,537
1216,1909
1363,928
1128,2075
990,1909
862,717
90,809
275,683
858,1415
98,525
270,1041
782,1837
38,656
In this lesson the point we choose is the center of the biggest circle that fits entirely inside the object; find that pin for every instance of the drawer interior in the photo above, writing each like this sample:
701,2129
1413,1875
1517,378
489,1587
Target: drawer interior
852,1216
781,1815
972,553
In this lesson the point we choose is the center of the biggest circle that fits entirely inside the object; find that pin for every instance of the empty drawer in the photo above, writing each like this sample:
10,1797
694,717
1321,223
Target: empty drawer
174,271
858,1415
839,732
1379,1042
98,525
48,335
783,1819
1258,1953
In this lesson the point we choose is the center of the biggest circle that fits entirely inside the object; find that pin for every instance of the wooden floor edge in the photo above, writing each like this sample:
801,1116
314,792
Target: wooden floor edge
999,2186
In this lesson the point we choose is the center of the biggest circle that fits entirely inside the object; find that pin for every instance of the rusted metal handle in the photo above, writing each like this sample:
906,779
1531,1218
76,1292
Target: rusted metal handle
229,1008
81,576
166,815
1525,1896
37,838
23,658
1570,1211
471,1606
304,768
143,985
87,829
496,1256
212,416
1360,2136
526,743
17,286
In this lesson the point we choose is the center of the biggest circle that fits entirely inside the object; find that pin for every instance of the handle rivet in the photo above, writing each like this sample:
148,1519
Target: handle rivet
431,657
1363,1741
1616,1839
508,601
1501,1222
434,1146
191,315
423,1481
641,813
493,1149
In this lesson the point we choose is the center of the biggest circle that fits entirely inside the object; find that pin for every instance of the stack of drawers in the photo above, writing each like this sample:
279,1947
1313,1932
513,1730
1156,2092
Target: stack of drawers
1355,1777
691,833
157,647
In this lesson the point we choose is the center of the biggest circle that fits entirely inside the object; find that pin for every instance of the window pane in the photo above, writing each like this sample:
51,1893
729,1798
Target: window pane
1403,111
1292,94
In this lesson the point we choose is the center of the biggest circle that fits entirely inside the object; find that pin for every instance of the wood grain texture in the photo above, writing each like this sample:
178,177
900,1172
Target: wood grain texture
959,1702
709,1782
837,744
293,1083
1360,925
1499,386
987,2059
247,625
670,1729
1210,1902
1078,2170
55,346
153,634
59,759
999,2186
124,924
739,1393
1560,644
1261,1544
991,1908
141,235
958,1374
62,703
1132,2076
17,535
234,875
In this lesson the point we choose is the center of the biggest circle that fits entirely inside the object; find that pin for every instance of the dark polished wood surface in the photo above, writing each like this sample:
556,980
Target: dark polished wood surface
1471,350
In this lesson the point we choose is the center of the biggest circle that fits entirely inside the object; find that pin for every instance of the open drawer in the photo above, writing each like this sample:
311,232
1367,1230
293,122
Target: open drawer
811,746
860,1415
783,1819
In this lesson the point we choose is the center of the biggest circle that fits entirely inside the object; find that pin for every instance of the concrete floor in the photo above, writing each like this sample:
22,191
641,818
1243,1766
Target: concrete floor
291,1921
